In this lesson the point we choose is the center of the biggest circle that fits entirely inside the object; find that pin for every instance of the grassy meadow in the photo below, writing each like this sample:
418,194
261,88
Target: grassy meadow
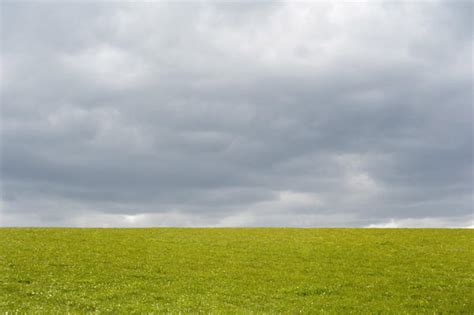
260,270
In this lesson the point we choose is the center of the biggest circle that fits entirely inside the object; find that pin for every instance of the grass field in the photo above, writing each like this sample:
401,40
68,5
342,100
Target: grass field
236,270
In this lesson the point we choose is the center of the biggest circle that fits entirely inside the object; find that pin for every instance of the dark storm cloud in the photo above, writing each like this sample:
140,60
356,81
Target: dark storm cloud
236,114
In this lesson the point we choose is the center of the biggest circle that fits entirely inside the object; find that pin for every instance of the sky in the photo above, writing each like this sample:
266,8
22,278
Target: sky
206,113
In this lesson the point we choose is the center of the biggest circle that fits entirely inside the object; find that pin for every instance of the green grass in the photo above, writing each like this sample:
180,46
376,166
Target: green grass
236,270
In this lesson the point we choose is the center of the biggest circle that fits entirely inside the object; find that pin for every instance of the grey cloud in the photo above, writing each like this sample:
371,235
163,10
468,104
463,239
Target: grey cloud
236,114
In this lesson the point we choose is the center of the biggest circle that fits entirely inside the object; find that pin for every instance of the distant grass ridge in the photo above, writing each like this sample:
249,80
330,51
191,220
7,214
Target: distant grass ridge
259,270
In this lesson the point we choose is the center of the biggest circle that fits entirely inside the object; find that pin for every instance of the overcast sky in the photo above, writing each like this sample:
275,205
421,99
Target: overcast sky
236,114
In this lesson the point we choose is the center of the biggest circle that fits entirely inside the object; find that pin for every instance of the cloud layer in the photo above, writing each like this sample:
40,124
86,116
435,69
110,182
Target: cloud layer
236,114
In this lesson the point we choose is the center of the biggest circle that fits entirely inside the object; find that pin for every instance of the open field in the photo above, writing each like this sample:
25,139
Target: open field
236,270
